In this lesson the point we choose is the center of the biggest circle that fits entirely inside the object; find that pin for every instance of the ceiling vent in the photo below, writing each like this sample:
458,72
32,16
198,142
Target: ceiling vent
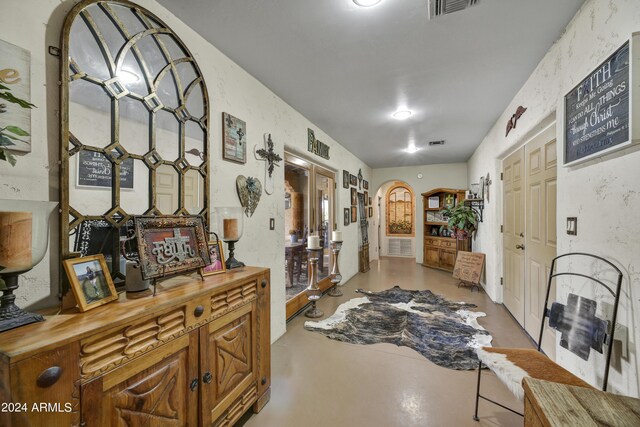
445,7
432,143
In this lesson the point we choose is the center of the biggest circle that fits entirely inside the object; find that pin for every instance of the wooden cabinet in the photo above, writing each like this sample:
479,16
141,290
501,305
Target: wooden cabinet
198,353
440,250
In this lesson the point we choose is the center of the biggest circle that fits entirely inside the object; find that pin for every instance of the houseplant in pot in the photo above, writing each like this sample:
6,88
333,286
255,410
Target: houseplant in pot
462,220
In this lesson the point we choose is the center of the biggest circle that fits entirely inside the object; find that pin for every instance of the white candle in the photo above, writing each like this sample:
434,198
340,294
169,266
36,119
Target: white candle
336,236
314,242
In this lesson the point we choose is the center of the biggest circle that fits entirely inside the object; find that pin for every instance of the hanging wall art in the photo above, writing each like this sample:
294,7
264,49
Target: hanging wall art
15,94
249,191
234,139
271,158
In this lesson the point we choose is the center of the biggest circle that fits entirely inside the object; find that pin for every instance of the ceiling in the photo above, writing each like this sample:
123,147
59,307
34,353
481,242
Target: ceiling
348,68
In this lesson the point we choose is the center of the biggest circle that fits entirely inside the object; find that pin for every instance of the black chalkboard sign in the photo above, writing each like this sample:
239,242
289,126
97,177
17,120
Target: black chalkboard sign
597,110
94,170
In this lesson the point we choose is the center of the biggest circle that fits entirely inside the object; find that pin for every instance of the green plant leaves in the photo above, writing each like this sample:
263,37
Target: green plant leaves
7,156
17,131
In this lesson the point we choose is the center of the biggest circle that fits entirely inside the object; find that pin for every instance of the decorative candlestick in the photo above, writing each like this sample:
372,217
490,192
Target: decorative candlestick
230,226
313,291
336,277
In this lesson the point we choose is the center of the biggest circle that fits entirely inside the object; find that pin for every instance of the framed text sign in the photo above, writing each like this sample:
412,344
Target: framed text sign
94,170
468,268
597,110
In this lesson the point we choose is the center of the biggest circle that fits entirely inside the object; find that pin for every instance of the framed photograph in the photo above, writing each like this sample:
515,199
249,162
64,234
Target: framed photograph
366,198
346,216
216,255
90,281
345,179
365,185
370,204
433,202
234,139
354,214
354,197
170,245
370,211
353,180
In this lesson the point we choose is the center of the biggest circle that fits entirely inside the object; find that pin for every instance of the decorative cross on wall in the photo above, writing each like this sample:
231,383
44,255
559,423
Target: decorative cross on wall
271,157
360,177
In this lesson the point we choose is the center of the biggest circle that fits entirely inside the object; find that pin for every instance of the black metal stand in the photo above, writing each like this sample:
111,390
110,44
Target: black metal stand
231,261
11,316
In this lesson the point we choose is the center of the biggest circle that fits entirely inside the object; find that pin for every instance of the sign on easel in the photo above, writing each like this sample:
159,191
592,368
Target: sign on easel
468,268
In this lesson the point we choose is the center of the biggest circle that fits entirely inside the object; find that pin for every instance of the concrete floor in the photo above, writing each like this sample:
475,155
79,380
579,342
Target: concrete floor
318,382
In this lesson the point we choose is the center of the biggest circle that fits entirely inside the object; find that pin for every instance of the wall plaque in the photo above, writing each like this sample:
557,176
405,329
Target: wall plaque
94,170
315,146
597,110
468,268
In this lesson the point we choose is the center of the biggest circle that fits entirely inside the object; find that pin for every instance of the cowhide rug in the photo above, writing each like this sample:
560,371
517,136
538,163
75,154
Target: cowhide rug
444,332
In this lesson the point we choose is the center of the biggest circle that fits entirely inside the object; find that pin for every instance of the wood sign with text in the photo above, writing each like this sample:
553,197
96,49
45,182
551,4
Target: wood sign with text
597,110
469,267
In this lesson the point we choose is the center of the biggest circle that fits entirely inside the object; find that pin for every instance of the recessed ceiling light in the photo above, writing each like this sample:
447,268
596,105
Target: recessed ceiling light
412,148
366,3
402,114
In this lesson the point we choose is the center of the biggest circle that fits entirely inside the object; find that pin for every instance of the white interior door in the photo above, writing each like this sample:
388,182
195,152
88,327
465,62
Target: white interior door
540,234
513,234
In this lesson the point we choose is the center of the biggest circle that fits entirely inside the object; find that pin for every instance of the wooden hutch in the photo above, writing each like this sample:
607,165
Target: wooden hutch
439,244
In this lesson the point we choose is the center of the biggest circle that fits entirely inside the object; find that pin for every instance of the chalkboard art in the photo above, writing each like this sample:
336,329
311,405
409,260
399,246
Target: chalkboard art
94,170
597,110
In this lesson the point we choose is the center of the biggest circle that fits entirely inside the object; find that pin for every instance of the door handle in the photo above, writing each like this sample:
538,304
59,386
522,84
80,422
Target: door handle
521,234
194,384
207,378
520,247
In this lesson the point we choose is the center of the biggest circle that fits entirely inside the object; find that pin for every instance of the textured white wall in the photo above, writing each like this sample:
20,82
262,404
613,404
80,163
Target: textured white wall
604,193
452,175
36,24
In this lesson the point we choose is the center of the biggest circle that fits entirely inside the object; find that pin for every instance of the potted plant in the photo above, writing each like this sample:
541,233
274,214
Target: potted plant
461,219
10,133
294,236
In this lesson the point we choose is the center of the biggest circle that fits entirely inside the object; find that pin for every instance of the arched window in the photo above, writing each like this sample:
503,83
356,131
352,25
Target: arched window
399,206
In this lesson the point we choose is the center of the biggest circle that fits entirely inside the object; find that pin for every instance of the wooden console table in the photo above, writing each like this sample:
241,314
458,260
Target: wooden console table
198,353
551,404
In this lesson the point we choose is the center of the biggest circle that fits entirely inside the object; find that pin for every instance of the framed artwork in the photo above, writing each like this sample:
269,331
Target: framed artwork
354,213
346,216
216,255
597,110
345,179
90,281
354,197
370,211
366,198
370,204
170,245
15,76
234,139
353,180
365,185
94,170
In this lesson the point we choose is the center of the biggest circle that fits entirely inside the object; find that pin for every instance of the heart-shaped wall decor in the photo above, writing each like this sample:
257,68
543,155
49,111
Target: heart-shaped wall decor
249,191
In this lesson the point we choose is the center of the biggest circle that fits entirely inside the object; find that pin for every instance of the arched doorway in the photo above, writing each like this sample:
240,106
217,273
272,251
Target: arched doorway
396,213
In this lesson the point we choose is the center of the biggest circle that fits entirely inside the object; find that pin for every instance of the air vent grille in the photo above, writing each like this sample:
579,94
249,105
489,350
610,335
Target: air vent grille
432,143
400,247
445,7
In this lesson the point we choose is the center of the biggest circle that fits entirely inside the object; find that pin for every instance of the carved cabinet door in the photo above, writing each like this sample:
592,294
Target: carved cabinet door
159,388
228,366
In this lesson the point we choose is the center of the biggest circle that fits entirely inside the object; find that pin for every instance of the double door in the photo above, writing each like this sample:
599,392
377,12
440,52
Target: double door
529,231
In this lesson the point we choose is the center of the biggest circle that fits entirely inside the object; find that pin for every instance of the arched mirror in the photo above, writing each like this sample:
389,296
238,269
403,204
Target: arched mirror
134,127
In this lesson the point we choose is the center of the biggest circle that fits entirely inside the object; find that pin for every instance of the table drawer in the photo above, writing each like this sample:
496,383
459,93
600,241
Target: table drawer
431,242
448,243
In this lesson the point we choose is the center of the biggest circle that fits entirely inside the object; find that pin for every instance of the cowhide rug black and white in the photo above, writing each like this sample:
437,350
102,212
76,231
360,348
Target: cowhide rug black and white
445,332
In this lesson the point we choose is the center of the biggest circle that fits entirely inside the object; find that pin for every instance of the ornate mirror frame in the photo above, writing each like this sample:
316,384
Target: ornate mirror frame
140,25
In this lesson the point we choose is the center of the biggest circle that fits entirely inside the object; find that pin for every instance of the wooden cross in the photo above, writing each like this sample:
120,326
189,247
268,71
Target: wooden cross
269,156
